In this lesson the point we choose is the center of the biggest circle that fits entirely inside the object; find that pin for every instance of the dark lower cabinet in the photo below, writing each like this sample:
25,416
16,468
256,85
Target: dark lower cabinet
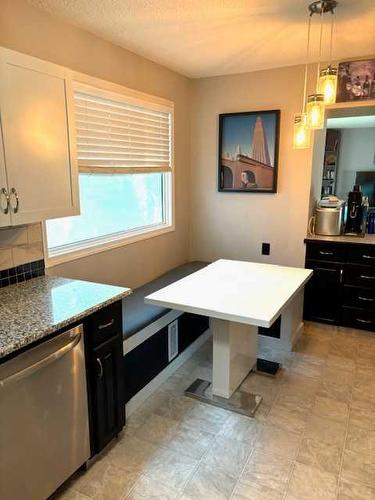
323,293
108,408
105,375
342,289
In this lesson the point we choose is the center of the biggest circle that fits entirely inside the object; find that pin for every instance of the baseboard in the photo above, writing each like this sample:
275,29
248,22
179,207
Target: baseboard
151,387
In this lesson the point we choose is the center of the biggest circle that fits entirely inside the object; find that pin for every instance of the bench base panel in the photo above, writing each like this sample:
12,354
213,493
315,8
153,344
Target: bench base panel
135,402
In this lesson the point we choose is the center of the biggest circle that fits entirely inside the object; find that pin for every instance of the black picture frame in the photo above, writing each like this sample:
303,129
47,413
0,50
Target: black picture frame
258,174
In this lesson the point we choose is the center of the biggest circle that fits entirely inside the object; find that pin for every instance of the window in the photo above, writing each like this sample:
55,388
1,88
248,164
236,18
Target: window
124,153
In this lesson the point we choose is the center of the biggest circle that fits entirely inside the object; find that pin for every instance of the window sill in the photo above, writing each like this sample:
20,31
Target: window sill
126,239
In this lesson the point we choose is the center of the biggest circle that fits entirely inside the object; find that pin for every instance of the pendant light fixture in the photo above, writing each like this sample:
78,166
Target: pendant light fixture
328,76
315,102
313,109
301,133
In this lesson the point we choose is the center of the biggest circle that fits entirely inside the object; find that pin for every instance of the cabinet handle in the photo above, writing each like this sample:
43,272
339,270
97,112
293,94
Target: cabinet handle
99,363
13,192
365,277
106,325
365,299
4,192
366,321
341,275
329,269
325,253
365,256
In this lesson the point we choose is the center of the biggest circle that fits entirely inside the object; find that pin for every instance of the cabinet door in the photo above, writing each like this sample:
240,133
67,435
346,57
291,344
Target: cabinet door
323,293
35,102
108,399
4,193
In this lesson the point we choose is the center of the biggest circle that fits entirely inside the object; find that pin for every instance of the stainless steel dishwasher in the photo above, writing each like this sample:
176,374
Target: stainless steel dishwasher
44,431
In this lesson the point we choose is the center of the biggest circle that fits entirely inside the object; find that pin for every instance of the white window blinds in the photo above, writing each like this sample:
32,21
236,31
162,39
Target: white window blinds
118,135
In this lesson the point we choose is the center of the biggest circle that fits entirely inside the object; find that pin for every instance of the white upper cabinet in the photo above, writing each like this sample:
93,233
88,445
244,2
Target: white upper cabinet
36,106
4,196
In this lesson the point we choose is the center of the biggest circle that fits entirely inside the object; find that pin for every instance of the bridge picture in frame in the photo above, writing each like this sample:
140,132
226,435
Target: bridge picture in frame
248,151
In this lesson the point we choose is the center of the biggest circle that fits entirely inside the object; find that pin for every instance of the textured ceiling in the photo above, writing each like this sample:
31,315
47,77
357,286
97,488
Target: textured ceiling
217,37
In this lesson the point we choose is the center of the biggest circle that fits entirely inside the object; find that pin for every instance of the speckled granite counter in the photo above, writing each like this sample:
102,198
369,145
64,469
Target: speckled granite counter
368,239
36,308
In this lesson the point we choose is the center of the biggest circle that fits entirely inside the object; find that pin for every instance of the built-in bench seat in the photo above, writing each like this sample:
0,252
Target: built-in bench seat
147,337
136,314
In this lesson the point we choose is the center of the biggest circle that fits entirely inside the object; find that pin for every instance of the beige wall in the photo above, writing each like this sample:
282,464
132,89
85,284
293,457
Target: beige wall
233,225
34,32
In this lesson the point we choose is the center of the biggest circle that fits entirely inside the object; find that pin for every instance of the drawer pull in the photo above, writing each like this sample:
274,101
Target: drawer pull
329,269
366,321
99,363
106,325
325,253
365,277
365,299
365,256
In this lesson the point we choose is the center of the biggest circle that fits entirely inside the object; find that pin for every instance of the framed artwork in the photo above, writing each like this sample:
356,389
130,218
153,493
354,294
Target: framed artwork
248,151
356,81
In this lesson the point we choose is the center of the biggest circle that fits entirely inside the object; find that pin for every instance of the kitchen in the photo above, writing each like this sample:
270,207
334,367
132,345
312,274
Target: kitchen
67,289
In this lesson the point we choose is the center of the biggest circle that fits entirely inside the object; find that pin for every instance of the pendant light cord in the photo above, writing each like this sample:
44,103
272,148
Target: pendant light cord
320,50
306,65
331,44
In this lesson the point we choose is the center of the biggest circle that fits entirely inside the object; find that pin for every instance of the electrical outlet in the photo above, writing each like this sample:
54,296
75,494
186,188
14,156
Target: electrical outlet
266,247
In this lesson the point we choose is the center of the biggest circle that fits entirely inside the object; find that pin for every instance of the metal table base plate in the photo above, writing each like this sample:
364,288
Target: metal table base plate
240,401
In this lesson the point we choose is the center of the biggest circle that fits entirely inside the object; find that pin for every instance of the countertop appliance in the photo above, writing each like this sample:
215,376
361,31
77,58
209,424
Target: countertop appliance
329,217
354,219
44,430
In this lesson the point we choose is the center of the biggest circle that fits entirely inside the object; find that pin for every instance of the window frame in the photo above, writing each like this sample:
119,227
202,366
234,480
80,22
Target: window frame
123,238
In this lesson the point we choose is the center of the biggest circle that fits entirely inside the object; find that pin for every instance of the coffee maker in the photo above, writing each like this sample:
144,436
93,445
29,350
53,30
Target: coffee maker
354,216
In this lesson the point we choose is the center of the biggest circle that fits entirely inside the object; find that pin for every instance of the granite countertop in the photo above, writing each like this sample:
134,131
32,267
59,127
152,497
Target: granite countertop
36,308
368,239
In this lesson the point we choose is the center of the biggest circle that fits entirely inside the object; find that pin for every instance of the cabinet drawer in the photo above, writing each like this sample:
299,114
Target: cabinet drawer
325,251
105,323
362,298
357,318
362,255
360,275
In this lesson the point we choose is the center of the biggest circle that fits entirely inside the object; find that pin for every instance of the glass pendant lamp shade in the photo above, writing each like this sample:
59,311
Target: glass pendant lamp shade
315,111
301,135
328,84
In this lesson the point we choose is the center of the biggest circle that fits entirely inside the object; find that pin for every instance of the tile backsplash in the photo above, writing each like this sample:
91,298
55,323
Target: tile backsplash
20,245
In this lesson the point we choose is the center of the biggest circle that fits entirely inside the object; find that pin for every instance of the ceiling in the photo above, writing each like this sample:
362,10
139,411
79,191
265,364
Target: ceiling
216,37
351,122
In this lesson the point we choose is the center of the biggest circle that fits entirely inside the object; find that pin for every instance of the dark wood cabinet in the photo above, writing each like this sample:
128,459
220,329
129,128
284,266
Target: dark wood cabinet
323,292
105,376
108,406
342,289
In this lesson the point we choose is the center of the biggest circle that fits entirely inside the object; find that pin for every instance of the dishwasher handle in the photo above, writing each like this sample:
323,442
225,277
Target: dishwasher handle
75,337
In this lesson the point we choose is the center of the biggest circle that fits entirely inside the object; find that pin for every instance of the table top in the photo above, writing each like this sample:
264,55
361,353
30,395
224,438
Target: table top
245,292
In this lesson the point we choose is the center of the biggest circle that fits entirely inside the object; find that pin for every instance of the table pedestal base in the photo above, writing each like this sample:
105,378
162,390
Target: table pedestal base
234,355
240,401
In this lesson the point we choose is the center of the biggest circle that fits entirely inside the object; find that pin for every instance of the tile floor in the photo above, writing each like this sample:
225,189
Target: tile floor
313,436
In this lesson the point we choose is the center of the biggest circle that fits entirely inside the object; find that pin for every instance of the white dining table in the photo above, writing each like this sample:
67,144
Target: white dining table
238,297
